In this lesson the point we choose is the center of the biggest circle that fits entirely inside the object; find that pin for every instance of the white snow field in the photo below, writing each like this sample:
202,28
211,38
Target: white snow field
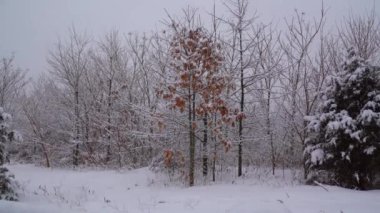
58,190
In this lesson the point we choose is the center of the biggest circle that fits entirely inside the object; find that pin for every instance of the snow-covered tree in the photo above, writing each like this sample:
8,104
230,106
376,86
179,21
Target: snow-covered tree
6,179
12,83
344,139
301,81
68,63
240,43
196,86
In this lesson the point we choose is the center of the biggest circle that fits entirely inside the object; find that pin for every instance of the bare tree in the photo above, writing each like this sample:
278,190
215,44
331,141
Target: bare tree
362,33
301,82
68,63
12,83
240,57
270,58
35,110
109,62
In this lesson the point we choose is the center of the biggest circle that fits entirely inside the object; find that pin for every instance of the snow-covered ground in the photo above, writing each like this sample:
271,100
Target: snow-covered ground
58,190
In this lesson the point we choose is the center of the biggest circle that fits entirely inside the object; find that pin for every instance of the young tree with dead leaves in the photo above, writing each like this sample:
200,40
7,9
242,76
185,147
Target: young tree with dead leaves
197,83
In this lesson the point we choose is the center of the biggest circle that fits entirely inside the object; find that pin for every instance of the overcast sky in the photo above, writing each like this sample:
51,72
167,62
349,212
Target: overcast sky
29,28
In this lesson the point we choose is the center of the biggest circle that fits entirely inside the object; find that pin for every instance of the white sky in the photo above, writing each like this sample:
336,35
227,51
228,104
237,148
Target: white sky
29,28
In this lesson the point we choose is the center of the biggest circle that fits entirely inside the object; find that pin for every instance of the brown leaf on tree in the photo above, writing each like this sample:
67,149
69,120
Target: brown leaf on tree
167,96
194,125
179,102
240,116
185,77
171,89
199,111
223,110
168,157
227,145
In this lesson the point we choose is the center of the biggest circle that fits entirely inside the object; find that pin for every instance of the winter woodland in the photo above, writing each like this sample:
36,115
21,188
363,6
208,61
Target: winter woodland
200,100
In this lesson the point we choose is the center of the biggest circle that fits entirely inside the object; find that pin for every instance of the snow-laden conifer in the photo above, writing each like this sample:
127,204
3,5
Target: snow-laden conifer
345,134
6,179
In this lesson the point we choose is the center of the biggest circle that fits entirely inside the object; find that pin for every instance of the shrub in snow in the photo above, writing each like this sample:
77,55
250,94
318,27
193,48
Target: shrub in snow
6,180
344,136
7,185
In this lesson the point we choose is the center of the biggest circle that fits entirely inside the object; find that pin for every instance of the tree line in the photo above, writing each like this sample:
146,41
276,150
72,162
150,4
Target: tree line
192,98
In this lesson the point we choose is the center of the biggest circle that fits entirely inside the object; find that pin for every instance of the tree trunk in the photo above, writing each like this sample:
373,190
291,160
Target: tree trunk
269,133
76,155
44,149
192,138
205,154
108,157
305,170
77,131
213,139
240,149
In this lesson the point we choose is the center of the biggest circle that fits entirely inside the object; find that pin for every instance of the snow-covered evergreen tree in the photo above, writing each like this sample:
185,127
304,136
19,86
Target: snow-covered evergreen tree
345,135
6,179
